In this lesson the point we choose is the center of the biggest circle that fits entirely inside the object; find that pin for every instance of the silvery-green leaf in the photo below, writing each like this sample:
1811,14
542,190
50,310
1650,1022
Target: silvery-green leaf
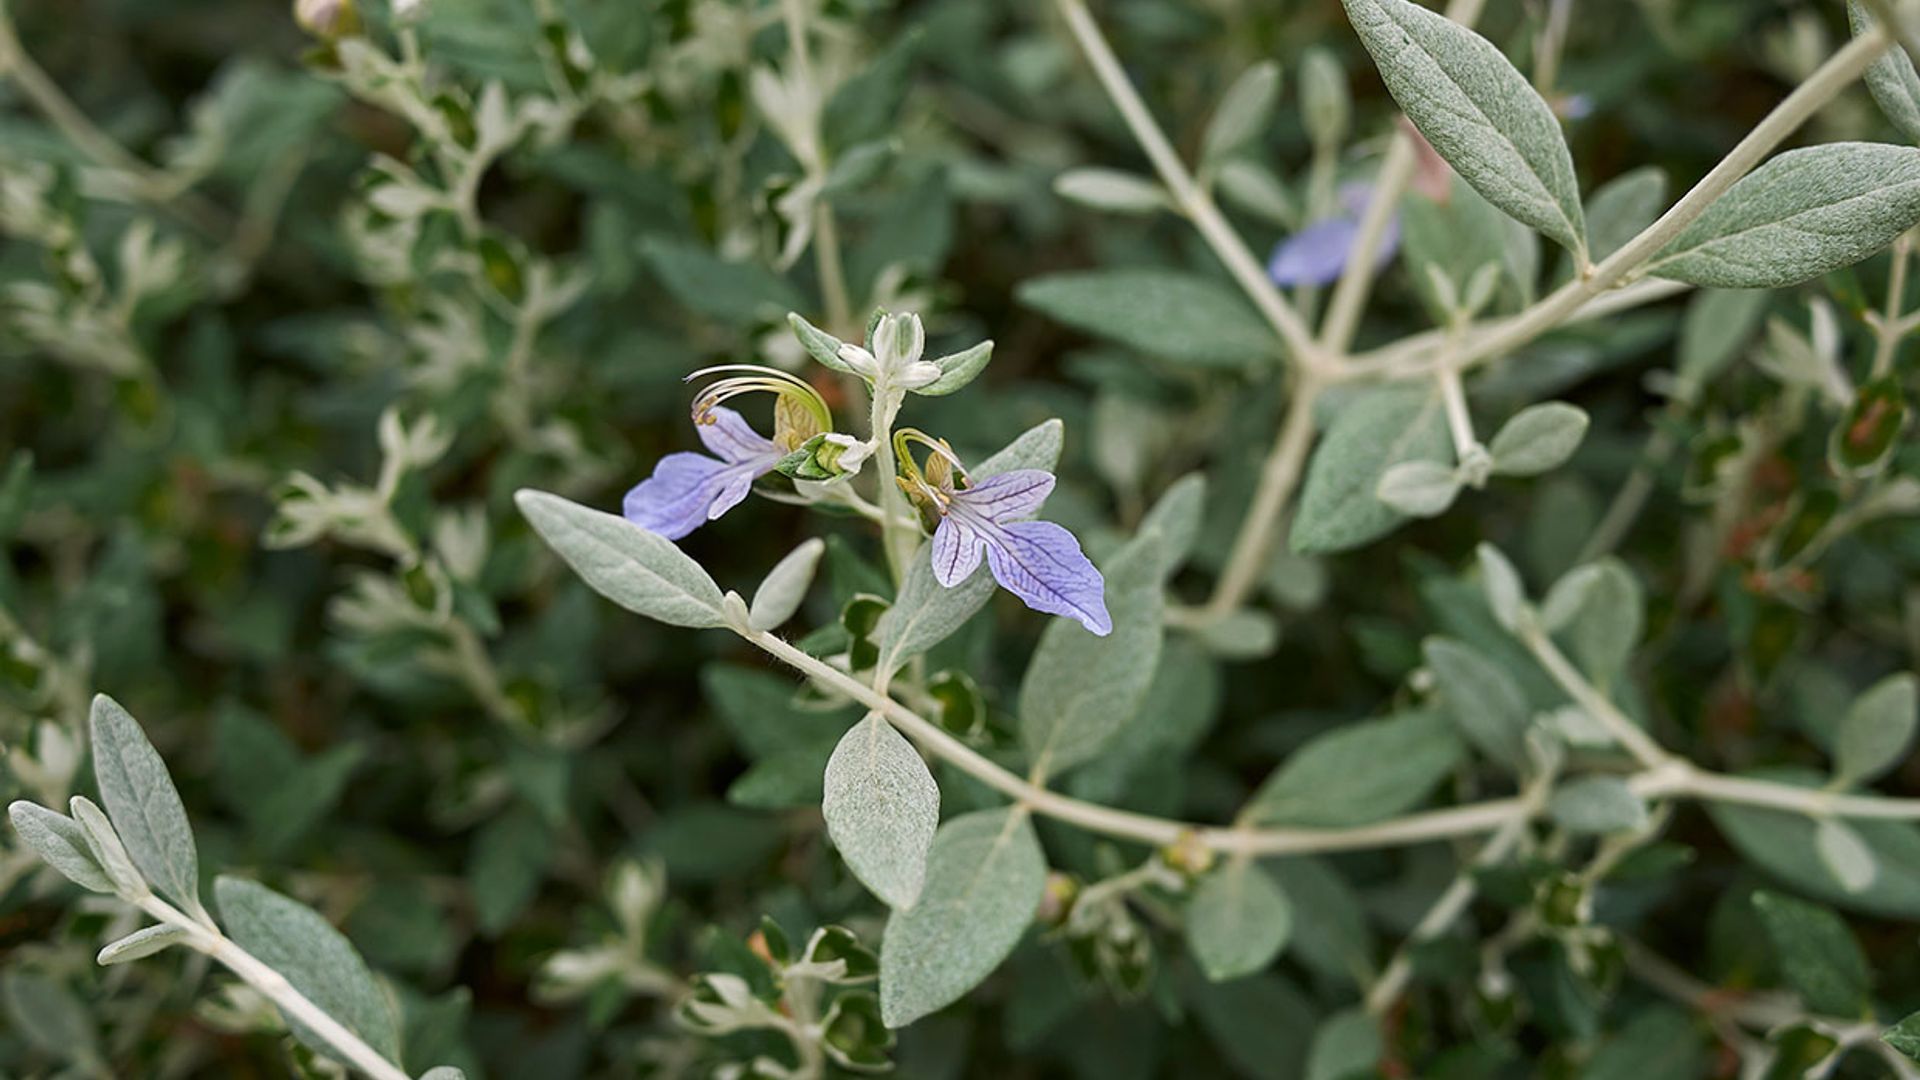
1238,921
1246,634
1597,804
1419,488
1081,688
1484,702
1326,107
1245,111
1892,80
143,805
985,878
141,943
1845,854
1506,596
958,369
1168,314
1359,773
1603,635
1623,206
926,612
1176,520
295,941
1905,1036
1569,595
1253,187
639,570
1785,845
104,844
1798,216
61,841
1819,956
1718,323
822,346
44,1013
1877,730
1112,190
1538,438
882,807
779,596
1347,1044
1372,432
1478,111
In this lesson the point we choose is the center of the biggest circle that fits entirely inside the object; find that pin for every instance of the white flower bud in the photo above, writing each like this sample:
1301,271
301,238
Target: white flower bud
860,360
328,19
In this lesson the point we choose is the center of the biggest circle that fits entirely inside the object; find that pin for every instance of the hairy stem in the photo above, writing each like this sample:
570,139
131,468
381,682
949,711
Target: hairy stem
297,1007
1189,197
1628,734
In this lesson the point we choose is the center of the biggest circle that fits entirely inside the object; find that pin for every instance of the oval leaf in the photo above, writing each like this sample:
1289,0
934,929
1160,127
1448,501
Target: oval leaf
779,596
1163,313
1339,508
642,572
1478,111
882,807
985,877
1798,216
142,804
1238,922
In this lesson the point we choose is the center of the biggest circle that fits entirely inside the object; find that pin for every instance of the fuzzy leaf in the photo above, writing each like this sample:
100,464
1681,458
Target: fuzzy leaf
882,807
641,571
1371,434
1538,438
61,841
779,596
1877,730
1359,773
1484,702
1168,314
1238,921
142,803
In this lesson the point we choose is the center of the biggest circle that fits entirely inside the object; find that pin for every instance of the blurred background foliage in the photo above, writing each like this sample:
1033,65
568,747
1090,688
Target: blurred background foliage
408,717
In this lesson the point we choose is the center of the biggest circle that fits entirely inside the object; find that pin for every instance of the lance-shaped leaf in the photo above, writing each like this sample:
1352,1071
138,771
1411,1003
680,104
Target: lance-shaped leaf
1877,729
141,943
1359,773
1892,80
1818,954
1483,700
61,841
1168,314
1478,111
323,965
985,877
1081,689
1372,433
143,805
1238,921
882,808
625,563
779,596
1798,216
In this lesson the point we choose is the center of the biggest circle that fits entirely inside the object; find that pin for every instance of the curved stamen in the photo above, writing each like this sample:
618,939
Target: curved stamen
769,380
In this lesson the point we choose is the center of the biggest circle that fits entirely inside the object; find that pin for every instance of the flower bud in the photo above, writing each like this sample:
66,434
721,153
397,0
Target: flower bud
1056,902
328,20
1188,855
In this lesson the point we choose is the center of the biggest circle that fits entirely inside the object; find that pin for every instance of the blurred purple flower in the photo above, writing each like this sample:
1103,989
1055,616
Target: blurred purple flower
688,490
1318,254
1037,561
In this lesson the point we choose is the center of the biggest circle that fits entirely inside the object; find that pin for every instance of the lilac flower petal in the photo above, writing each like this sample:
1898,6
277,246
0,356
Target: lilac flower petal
1042,564
1315,255
956,552
732,439
1009,496
676,499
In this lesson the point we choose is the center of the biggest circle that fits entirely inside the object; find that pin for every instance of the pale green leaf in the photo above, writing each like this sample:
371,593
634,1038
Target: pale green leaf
985,878
1603,634
61,841
637,569
1538,438
1506,594
1111,190
1419,488
1597,804
1238,921
1818,954
1905,1036
295,941
1478,111
881,806
1245,110
1347,1045
1892,80
1167,314
1623,206
779,596
1845,855
1786,845
139,944
1359,773
1798,216
143,805
1371,433
1718,324
1485,703
1877,730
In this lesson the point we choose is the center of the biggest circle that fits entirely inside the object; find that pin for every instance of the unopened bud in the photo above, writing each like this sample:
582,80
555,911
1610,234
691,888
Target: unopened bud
1056,902
327,19
1188,855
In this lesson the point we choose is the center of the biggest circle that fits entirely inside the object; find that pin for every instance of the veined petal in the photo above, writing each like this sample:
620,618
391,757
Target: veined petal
956,550
1042,564
1009,496
674,500
732,439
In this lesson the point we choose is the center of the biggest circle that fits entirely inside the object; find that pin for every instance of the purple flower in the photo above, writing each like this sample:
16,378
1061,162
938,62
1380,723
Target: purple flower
1037,561
1318,254
688,490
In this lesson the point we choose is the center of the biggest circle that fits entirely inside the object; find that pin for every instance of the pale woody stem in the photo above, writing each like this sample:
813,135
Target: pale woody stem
1668,777
1188,196
1356,279
298,1008
1279,477
1628,734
